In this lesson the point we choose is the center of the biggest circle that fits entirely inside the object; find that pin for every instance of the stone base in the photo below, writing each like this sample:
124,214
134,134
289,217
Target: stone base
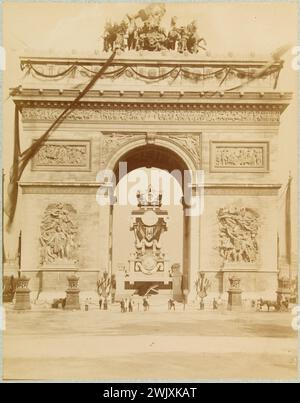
72,300
22,300
177,288
234,300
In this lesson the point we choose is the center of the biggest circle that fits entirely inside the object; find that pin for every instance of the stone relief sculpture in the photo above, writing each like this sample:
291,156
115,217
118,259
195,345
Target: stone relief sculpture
143,31
59,235
191,143
238,234
62,154
239,157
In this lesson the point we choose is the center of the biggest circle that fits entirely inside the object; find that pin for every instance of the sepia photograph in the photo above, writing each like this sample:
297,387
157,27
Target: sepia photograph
149,193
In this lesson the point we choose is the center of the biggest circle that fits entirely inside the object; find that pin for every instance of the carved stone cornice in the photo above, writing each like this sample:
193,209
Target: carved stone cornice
145,58
92,187
59,188
53,97
156,112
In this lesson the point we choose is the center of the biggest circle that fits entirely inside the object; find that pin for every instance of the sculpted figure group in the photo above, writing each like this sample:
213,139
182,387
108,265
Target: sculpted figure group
238,233
59,234
143,31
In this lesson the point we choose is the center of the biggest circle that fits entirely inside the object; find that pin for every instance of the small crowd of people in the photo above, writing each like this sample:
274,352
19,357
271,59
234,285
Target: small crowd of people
103,303
126,305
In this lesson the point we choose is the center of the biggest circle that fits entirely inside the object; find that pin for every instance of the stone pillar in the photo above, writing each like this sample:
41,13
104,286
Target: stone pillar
177,282
72,299
120,283
186,246
22,294
234,294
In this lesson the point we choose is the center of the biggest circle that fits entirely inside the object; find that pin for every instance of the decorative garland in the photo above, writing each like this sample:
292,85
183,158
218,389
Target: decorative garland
178,69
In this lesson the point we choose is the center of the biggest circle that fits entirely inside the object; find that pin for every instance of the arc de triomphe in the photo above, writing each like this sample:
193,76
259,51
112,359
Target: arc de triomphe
156,109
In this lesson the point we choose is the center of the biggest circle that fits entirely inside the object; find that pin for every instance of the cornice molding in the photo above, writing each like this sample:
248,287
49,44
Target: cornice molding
145,58
23,96
91,188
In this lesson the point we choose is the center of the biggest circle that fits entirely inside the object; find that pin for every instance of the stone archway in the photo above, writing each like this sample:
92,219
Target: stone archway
163,155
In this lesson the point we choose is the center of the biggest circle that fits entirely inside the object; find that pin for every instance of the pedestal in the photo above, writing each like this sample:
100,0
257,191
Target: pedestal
120,284
234,294
22,294
72,299
177,283
234,299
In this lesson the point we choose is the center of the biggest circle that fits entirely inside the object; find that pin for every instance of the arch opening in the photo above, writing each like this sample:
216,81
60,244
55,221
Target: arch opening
151,157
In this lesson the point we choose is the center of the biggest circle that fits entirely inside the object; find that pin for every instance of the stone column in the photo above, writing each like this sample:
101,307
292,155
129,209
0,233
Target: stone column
72,299
22,294
177,282
234,294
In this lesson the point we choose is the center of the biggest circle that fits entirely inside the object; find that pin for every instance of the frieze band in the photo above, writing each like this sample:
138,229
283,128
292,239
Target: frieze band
166,113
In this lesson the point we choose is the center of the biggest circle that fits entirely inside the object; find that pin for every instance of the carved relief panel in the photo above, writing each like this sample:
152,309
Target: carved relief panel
59,235
230,156
238,230
63,155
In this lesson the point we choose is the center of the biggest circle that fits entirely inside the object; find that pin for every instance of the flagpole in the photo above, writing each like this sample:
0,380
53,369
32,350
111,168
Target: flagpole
289,227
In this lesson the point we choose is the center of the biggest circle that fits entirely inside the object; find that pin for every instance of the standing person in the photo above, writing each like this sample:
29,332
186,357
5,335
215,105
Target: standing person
122,305
145,304
148,304
171,304
86,305
100,303
130,306
105,304
125,305
215,304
